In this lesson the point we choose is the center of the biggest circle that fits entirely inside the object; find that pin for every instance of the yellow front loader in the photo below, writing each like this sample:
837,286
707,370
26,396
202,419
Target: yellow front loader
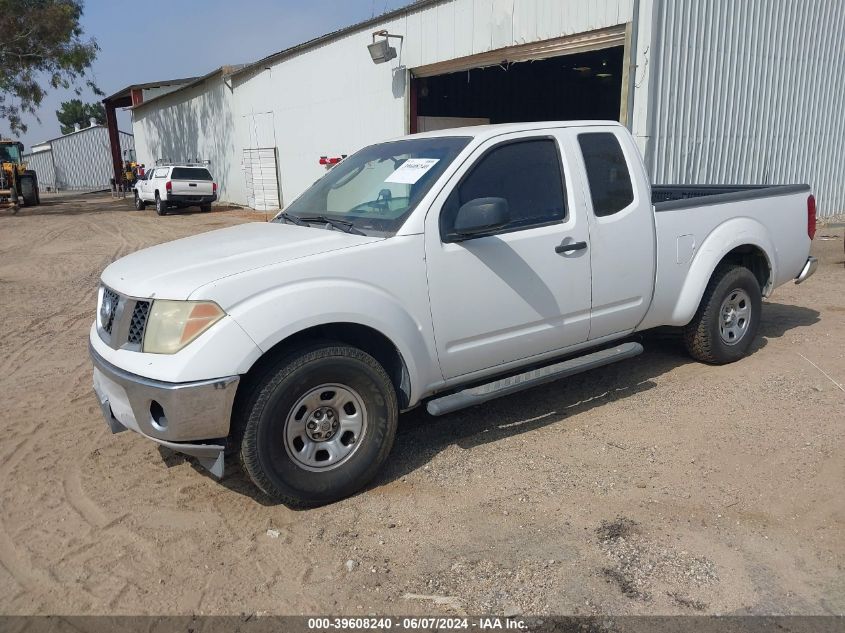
18,185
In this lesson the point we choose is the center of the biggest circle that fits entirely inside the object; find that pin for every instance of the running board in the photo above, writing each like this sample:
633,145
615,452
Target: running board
506,386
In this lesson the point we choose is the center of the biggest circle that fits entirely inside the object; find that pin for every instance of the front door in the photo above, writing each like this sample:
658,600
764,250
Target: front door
522,290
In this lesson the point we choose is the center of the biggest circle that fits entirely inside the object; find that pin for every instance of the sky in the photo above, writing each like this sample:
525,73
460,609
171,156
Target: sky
166,39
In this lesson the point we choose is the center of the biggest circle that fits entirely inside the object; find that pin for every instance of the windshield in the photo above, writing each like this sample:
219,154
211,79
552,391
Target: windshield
9,154
377,188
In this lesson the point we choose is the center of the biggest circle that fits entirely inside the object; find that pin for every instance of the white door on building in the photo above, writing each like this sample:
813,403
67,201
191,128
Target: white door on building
259,162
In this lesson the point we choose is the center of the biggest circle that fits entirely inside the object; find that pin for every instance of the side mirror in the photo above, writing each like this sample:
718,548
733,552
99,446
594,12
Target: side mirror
481,215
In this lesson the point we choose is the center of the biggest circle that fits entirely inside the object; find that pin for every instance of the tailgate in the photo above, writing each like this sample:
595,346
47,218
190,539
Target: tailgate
191,187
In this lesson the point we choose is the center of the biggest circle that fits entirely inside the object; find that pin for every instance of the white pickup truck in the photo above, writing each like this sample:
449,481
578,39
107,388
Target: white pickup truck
444,269
176,187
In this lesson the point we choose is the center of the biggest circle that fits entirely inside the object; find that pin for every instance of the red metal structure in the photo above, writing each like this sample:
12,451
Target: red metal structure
130,97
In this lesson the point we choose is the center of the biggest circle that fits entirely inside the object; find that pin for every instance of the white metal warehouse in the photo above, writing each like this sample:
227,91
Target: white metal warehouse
714,91
80,160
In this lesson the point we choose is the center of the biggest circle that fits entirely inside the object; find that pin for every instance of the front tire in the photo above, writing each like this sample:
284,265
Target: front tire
728,317
319,425
140,205
161,207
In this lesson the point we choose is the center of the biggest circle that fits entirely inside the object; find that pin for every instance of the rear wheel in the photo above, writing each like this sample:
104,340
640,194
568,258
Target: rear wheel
140,205
319,425
161,207
29,190
727,319
205,208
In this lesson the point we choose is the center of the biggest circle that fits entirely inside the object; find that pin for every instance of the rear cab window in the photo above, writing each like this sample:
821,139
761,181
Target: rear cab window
611,189
190,173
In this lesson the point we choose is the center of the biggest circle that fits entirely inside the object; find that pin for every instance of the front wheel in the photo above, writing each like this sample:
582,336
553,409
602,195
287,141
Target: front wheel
140,205
161,207
319,425
727,319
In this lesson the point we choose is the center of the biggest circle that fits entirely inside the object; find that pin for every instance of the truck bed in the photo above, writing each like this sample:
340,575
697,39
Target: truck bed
669,197
774,218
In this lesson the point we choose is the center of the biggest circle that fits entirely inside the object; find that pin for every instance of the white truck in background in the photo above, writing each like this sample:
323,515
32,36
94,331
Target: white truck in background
443,269
176,187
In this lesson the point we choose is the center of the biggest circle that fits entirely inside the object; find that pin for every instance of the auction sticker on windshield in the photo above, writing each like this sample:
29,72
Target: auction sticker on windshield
412,170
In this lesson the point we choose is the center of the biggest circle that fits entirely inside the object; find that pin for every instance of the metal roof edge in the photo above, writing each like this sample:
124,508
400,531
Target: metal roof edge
85,129
149,84
347,30
226,71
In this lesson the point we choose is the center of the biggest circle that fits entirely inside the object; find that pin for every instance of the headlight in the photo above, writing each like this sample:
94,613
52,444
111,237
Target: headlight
173,324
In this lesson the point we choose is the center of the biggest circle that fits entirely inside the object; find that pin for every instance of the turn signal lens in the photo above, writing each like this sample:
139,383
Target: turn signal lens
173,324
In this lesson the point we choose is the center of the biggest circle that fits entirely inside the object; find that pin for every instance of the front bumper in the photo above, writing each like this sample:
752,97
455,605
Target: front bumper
808,270
188,417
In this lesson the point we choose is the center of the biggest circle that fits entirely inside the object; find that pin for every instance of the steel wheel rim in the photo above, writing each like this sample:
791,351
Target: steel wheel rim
734,316
325,427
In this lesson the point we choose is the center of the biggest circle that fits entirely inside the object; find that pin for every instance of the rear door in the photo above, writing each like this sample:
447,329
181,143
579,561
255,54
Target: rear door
191,181
519,292
622,236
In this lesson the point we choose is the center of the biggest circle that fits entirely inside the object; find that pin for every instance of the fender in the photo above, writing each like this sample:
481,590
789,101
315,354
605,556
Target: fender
726,237
341,301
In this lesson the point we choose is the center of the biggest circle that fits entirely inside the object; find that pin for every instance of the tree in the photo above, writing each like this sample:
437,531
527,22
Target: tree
74,111
41,47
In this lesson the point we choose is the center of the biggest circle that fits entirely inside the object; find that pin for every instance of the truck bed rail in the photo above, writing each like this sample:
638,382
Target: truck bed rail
669,197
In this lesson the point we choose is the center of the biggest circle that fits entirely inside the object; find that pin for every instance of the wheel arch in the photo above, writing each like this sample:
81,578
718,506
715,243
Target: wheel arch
363,337
742,241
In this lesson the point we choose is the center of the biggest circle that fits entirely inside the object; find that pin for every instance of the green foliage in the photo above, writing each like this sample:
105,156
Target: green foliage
74,111
41,47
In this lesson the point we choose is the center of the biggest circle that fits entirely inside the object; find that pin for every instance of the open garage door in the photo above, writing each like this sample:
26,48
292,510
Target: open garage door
578,77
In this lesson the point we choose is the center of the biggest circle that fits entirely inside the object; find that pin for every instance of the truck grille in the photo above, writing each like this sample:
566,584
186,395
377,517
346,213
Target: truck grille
110,300
139,322
122,320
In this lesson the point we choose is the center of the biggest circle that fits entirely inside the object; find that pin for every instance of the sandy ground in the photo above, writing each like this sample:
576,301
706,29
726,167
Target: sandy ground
657,485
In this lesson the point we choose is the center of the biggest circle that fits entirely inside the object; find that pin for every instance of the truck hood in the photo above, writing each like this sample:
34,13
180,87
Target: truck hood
175,269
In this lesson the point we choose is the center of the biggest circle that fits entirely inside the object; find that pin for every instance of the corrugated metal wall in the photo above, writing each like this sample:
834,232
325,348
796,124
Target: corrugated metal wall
83,159
77,161
749,92
42,163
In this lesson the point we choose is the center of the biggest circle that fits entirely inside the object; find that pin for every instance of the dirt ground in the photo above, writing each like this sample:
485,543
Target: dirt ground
657,485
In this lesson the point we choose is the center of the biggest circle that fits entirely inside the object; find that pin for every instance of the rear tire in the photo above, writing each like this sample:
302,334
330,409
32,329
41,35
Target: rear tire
161,207
29,190
728,317
205,208
318,426
140,205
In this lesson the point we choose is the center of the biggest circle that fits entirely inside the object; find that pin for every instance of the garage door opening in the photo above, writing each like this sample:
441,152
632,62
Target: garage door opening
577,86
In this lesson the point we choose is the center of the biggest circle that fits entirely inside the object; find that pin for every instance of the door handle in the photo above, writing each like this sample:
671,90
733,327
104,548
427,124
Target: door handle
572,246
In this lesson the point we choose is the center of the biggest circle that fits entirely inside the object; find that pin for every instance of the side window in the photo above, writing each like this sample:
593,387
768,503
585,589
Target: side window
161,172
525,173
607,172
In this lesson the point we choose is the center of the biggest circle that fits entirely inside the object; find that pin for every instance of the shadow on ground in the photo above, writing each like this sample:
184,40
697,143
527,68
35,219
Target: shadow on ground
421,437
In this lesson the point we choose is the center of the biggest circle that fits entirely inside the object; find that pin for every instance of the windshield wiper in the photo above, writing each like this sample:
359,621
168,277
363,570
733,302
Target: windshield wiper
293,219
341,225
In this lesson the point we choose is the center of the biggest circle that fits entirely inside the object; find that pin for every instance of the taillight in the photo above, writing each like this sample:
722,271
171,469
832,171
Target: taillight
811,216
169,186
214,187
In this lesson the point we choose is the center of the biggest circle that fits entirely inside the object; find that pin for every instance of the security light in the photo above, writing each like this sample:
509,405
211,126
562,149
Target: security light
381,51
